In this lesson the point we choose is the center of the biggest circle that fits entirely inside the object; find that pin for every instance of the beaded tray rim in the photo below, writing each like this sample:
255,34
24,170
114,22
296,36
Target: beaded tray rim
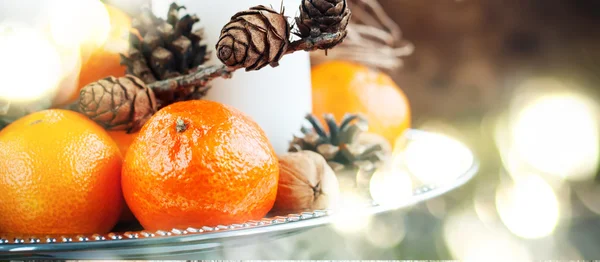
26,245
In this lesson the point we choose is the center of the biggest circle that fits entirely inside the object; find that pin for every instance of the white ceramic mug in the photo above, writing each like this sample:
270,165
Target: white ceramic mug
276,98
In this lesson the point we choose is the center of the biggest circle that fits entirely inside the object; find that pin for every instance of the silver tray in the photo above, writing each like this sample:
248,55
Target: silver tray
177,242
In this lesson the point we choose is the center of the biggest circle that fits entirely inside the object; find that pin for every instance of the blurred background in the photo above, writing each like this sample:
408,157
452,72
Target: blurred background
516,81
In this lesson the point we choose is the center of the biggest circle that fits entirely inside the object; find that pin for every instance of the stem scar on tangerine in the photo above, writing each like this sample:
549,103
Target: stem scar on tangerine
180,126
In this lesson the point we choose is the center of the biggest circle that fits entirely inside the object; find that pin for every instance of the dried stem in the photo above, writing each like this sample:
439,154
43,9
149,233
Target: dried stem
197,81
374,39
198,78
184,84
371,14
324,41
204,74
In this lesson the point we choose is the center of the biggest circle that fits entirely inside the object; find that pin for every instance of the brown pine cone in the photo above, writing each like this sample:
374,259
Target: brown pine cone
166,48
342,144
322,16
254,39
123,103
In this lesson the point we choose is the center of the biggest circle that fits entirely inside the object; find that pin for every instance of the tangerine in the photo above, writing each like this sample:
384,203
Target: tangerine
124,140
199,163
340,87
59,174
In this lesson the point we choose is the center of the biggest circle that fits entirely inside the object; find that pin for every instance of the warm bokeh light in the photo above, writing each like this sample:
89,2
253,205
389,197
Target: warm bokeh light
436,159
386,230
528,207
391,186
437,207
550,128
71,65
79,23
469,239
501,250
120,29
349,217
484,202
558,135
30,64
589,195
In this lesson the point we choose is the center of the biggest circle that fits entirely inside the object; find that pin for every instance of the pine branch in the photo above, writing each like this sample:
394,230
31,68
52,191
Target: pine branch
244,44
322,42
199,78
374,39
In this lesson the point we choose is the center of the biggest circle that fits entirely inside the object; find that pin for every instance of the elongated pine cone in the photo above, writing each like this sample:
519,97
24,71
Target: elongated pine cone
165,49
322,16
123,103
254,39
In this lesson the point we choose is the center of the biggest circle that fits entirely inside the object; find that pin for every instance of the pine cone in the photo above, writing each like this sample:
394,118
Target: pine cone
341,146
165,49
322,16
123,103
254,39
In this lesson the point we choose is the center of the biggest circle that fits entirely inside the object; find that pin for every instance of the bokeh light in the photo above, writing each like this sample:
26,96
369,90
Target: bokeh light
550,128
501,250
76,23
437,207
386,230
436,159
349,217
120,30
589,194
558,135
390,186
528,207
71,65
469,239
484,202
30,64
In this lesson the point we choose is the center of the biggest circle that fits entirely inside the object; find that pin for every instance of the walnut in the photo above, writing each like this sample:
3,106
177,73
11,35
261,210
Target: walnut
306,183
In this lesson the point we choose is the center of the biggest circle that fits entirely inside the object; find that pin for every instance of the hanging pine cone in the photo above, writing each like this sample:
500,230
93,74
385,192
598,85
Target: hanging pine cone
322,16
123,103
166,49
342,146
254,39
